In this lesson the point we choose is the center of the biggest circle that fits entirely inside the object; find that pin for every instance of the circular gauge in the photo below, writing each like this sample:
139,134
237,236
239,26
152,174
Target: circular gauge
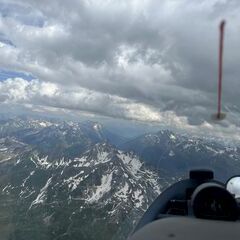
213,201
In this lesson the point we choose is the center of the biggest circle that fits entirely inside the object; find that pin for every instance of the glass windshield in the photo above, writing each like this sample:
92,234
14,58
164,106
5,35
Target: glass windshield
104,104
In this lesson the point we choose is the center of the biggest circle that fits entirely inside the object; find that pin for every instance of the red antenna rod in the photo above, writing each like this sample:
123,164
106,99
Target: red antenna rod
219,114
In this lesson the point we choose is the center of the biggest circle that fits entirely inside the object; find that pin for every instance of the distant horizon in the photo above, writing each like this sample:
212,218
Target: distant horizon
124,128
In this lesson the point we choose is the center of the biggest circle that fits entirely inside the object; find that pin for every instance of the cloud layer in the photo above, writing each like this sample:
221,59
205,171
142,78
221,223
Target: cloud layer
145,60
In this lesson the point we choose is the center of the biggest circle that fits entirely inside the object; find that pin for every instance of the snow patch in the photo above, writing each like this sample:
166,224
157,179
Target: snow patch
5,160
171,153
102,189
102,157
3,149
42,195
26,179
132,163
123,192
45,124
44,162
138,197
74,181
172,137
17,162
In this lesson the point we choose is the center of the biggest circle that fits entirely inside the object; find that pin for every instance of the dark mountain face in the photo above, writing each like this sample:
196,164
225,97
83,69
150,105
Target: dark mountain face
100,133
68,180
177,154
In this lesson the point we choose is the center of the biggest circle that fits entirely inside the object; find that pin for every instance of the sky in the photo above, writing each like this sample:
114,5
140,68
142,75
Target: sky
151,61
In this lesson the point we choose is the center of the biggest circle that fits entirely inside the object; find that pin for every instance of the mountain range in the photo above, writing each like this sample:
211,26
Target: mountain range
68,180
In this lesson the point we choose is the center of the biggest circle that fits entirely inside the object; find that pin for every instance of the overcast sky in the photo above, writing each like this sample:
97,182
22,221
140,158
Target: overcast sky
153,61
